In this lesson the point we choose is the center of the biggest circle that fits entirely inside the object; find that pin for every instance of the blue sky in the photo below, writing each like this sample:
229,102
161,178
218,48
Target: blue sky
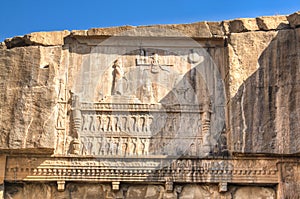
19,17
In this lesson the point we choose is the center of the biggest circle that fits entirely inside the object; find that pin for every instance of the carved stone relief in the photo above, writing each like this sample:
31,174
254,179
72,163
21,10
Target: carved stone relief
142,101
150,107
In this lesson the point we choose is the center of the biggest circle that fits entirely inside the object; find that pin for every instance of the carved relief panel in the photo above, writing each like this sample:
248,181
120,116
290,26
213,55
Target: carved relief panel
131,100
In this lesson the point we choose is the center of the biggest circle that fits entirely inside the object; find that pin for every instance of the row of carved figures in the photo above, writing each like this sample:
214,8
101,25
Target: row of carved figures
114,146
126,146
117,123
144,123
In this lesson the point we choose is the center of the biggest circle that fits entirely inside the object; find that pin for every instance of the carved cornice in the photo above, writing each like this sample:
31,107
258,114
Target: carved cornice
148,169
182,108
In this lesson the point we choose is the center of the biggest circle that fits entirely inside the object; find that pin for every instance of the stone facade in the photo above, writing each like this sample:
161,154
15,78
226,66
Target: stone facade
202,110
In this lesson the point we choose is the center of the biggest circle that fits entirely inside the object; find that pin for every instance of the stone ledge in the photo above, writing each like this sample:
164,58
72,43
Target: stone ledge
243,25
272,23
55,38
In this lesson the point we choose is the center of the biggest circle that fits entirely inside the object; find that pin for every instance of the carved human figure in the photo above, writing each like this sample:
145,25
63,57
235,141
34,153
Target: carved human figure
110,123
142,57
86,120
146,146
154,63
135,124
118,78
90,145
114,123
119,125
132,146
148,122
147,92
192,149
75,147
61,105
94,123
123,121
110,146
142,124
134,149
59,142
107,147
124,146
103,147
114,146
84,149
131,123
68,144
98,146
140,146
104,121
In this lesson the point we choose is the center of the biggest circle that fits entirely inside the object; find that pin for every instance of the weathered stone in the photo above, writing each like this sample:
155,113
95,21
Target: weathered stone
195,191
154,191
244,51
17,41
28,97
199,29
243,25
79,32
2,168
108,31
216,28
294,19
38,39
1,190
2,46
272,23
266,107
225,25
46,38
254,192
145,191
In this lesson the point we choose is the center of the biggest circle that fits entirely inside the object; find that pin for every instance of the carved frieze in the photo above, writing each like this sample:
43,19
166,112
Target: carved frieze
152,169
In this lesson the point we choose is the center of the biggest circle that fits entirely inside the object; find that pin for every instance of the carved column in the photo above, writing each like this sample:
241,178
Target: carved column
206,127
76,113
75,125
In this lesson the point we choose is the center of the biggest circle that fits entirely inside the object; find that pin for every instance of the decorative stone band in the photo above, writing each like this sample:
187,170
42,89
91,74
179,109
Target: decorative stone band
181,108
150,169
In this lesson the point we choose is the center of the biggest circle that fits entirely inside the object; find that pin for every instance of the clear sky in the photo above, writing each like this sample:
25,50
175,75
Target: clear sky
19,17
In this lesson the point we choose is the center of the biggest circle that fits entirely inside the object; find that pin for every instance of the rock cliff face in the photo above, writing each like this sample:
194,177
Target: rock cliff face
264,95
246,78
